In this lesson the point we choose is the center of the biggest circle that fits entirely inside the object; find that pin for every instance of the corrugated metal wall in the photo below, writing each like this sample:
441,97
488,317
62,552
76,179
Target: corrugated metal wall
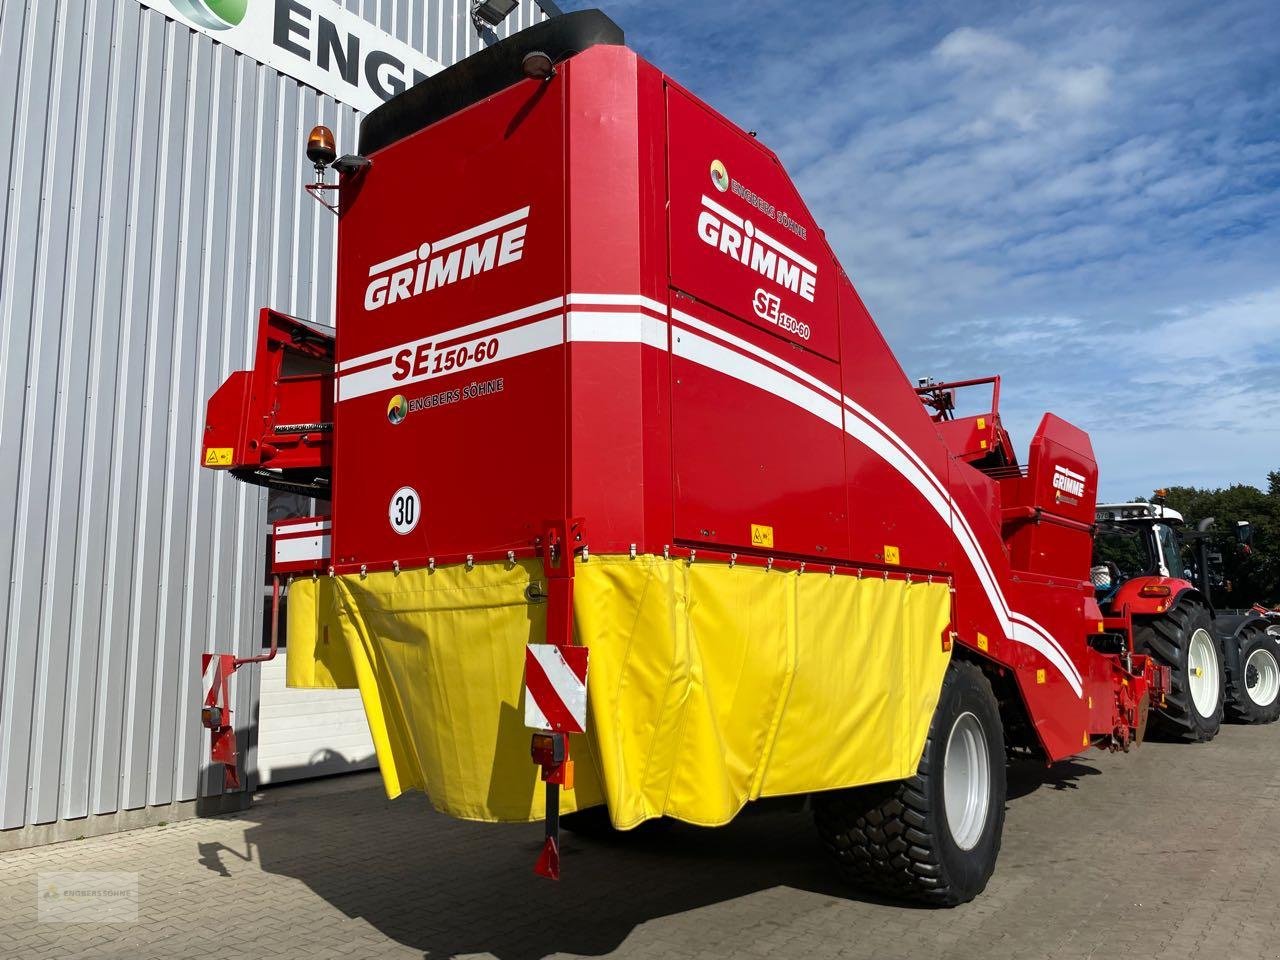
154,202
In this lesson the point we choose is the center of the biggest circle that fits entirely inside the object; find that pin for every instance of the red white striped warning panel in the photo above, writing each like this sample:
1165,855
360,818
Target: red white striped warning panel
555,688
301,544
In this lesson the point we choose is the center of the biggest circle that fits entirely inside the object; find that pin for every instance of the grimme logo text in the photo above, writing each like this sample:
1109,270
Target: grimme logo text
439,263
1068,481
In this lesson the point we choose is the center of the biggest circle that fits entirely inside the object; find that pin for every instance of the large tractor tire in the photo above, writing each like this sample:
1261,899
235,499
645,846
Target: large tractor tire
1184,641
1253,680
933,838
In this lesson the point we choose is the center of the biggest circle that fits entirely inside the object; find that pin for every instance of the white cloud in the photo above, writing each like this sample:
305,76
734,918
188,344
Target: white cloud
1230,340
971,47
1083,87
1019,106
1192,398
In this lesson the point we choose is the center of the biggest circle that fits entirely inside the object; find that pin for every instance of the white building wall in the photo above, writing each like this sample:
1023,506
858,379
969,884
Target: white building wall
154,201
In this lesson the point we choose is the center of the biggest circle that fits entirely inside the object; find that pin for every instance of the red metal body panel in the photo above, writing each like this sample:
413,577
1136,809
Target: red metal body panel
970,437
227,418
301,545
1048,513
613,382
735,446
674,388
1129,596
979,437
280,414
462,334
741,237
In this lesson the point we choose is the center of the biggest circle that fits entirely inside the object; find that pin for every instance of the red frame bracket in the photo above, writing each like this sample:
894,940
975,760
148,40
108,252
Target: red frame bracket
216,716
563,539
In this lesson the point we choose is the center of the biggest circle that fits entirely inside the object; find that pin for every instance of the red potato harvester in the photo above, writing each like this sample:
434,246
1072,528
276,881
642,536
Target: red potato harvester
616,453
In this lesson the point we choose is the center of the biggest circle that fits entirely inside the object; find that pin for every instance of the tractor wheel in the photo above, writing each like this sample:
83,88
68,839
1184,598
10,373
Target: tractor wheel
1184,641
1253,688
933,838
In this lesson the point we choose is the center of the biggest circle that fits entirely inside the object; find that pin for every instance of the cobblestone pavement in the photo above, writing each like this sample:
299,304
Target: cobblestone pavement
1169,852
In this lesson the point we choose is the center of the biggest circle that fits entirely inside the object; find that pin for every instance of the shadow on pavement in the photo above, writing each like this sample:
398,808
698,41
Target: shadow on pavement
449,887
1027,776
1163,733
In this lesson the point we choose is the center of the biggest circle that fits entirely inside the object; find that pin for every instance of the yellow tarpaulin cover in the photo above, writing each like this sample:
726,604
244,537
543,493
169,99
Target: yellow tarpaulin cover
708,685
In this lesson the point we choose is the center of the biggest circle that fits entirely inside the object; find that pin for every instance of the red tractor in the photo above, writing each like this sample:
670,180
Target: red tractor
1152,577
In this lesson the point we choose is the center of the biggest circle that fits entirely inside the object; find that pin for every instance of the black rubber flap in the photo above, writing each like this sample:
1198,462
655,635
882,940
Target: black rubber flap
482,75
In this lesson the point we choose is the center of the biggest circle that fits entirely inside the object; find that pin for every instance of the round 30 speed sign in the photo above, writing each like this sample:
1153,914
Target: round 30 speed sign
404,509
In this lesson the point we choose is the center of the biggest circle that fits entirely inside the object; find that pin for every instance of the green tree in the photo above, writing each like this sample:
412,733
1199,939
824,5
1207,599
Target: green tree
1252,571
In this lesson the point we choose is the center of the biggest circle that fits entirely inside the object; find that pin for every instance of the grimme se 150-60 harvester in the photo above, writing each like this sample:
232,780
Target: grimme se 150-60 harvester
616,452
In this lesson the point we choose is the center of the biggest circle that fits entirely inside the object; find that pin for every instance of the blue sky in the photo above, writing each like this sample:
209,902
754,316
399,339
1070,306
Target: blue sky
1082,197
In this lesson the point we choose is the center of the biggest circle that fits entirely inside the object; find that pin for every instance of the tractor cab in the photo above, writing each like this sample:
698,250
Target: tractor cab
1135,540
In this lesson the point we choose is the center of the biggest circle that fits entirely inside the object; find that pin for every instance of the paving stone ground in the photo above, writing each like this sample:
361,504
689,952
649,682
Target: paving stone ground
1172,852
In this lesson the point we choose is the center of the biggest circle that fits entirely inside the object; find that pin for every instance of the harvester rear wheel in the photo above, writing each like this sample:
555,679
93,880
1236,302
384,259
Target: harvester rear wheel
933,838
1184,641
1253,687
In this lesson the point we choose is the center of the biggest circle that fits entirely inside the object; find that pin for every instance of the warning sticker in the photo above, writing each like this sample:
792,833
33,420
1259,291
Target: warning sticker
217,456
761,535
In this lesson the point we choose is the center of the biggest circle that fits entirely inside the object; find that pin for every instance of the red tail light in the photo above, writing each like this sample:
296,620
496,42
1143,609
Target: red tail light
547,749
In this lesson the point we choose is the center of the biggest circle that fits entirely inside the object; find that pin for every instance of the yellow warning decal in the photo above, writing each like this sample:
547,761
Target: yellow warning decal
1040,677
982,444
891,555
217,456
761,535
982,423
1102,627
982,642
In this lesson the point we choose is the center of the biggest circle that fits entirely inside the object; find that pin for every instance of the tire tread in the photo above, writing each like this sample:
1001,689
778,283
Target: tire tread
885,836
1238,706
1167,638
